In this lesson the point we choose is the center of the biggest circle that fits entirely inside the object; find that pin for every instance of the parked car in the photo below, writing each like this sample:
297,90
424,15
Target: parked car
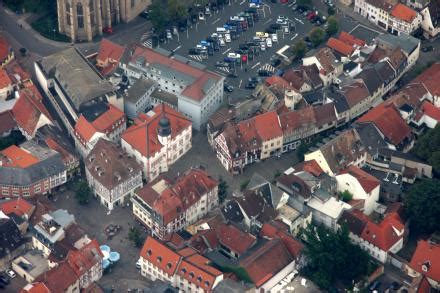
274,38
139,264
227,38
269,42
221,64
428,48
4,278
263,72
229,88
201,16
374,286
275,62
395,286
250,85
11,274
232,75
107,30
234,55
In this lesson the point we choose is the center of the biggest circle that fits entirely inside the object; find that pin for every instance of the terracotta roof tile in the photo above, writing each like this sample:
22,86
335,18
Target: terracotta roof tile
427,255
18,157
355,93
7,122
278,81
267,261
18,206
340,47
270,231
388,120
235,239
404,13
37,287
430,78
106,120
196,270
295,78
84,129
327,59
5,81
351,40
431,110
309,166
367,181
385,234
160,255
59,279
109,55
16,73
143,135
268,126
29,109
84,259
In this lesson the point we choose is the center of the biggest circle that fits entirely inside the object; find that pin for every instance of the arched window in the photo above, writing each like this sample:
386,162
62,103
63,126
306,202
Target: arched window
80,15
68,15
92,12
132,3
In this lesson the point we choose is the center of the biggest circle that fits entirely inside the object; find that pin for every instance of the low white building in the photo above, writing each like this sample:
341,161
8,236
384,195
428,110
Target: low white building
158,139
165,206
199,91
378,239
112,174
430,21
361,185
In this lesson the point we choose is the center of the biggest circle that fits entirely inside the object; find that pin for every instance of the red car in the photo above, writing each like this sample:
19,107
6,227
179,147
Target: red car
284,1
244,58
107,30
311,15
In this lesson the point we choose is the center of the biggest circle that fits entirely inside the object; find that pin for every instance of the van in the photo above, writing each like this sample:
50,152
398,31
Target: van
227,38
274,38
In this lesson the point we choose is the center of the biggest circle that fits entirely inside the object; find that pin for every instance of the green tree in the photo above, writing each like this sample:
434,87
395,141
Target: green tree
422,204
176,10
427,148
299,49
317,36
134,235
332,258
333,26
159,16
82,192
222,190
331,11
14,138
244,184
345,196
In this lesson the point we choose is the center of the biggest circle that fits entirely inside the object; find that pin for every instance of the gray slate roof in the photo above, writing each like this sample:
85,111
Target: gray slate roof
76,75
406,42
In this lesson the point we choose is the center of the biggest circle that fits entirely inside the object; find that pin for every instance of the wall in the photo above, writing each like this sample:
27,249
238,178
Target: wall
319,158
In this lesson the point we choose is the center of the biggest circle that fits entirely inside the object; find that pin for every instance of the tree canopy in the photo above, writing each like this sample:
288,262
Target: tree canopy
333,26
300,49
317,36
427,148
422,204
222,190
82,192
135,236
332,258
346,196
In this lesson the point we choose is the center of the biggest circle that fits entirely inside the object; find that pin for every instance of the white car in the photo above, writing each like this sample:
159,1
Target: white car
269,42
234,55
11,274
227,38
221,42
201,16
139,263
263,46
207,11
200,47
274,38
254,5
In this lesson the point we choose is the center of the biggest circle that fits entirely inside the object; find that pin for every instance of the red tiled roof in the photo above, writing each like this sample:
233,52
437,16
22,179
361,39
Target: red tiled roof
29,109
196,269
293,120
106,120
143,135
278,81
178,197
404,13
427,253
270,231
367,181
309,166
54,145
59,278
267,261
235,239
84,259
160,255
355,93
390,123
18,206
194,90
7,122
350,40
431,110
37,287
5,81
430,78
18,157
326,58
4,48
295,78
109,54
268,126
424,286
340,47
386,234
16,73
84,129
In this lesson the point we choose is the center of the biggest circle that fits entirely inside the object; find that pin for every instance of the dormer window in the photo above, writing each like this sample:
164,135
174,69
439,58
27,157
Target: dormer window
169,265
159,259
149,252
207,283
199,279
191,275
183,270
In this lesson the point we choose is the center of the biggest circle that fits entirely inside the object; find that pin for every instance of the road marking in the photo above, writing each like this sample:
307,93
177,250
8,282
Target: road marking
242,2
215,21
290,5
178,47
294,37
299,20
255,65
267,21
226,51
239,85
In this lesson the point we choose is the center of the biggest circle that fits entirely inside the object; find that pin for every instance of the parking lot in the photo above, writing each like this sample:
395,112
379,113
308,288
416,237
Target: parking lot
268,13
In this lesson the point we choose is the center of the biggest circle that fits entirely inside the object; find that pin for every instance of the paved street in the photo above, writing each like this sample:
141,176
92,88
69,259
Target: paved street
93,218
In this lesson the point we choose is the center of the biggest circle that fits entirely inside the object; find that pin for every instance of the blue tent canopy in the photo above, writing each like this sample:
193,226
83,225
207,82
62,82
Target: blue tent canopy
105,248
114,256
105,264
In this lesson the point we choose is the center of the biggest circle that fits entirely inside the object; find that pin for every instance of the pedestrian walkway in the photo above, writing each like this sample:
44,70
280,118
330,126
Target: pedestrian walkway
224,69
197,57
267,67
148,43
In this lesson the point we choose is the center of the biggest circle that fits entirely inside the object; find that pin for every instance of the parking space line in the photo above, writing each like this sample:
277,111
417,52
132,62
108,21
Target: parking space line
267,21
299,20
239,85
294,37
242,2
255,65
177,48
227,51
215,21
